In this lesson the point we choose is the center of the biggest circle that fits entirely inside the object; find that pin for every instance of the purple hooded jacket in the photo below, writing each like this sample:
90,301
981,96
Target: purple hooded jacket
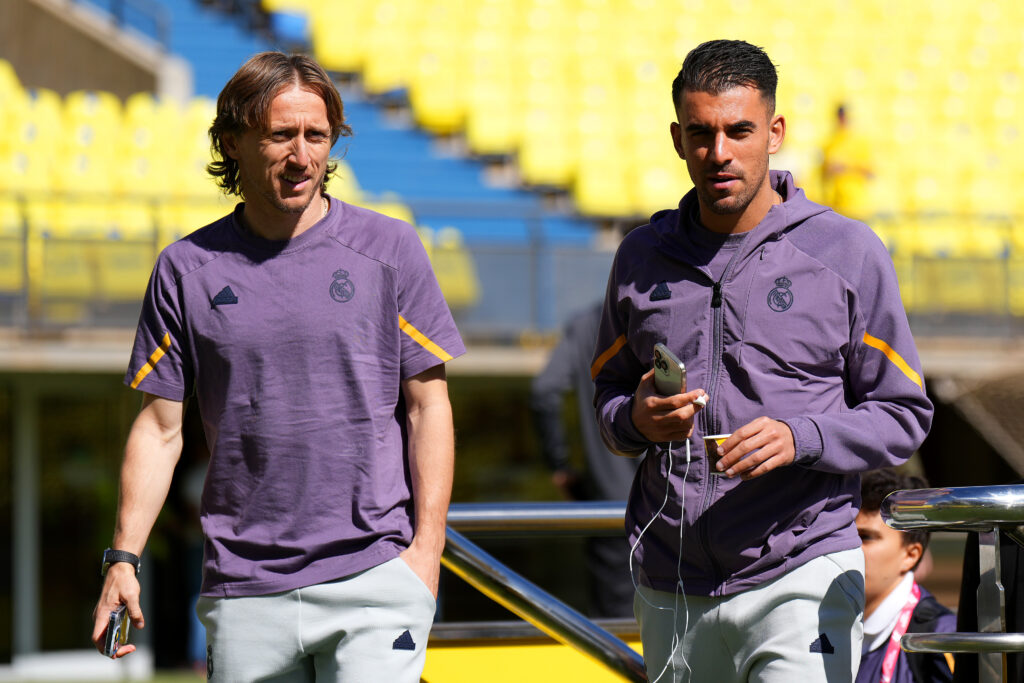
805,326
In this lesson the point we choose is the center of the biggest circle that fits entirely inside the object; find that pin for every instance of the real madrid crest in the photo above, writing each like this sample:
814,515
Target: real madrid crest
781,297
342,289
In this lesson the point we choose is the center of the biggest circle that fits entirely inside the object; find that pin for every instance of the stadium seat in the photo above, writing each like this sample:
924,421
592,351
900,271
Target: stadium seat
12,248
339,34
456,272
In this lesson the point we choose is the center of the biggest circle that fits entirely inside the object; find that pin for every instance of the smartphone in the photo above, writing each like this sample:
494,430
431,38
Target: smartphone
669,372
117,631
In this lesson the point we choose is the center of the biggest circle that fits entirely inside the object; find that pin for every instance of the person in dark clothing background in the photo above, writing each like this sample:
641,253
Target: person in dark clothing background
605,477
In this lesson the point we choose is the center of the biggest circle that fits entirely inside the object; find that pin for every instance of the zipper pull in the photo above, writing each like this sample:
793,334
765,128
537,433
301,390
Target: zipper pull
716,295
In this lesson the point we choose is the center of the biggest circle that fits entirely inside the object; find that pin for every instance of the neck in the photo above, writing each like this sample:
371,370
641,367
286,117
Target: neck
873,603
271,223
746,220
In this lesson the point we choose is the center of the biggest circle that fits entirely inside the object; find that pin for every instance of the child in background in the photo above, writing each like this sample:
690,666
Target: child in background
894,603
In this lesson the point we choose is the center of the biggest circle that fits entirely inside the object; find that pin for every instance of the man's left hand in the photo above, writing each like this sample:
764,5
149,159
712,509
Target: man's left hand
426,564
757,448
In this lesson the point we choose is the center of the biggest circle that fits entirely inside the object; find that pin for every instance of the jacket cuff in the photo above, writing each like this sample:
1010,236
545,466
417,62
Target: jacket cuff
806,440
626,433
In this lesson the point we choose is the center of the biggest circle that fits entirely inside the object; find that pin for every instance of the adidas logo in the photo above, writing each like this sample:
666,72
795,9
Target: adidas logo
224,296
823,645
404,642
661,292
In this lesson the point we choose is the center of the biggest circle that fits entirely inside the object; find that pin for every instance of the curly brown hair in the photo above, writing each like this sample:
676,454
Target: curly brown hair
244,104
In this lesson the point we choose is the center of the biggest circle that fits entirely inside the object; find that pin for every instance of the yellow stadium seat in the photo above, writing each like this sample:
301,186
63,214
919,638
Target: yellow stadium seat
289,5
66,265
339,34
603,190
12,248
92,120
150,143
493,121
435,91
456,272
344,185
961,285
126,258
392,44
548,154
389,206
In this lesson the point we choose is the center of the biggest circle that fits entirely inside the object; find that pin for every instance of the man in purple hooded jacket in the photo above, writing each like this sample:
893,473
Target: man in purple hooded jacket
789,321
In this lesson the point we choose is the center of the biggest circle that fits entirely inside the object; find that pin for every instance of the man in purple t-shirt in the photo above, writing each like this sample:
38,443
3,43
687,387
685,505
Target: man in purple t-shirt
313,335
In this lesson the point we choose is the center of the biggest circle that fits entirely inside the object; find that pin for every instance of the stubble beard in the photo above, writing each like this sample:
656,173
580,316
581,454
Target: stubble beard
733,204
292,210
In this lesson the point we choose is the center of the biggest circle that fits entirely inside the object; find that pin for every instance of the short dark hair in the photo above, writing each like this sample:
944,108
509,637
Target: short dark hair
245,101
877,484
719,65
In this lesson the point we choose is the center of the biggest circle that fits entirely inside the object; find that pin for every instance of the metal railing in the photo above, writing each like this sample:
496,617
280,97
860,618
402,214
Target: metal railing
525,599
987,510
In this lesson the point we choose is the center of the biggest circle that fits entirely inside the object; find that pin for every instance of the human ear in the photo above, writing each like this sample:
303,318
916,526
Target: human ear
776,133
911,555
229,144
677,139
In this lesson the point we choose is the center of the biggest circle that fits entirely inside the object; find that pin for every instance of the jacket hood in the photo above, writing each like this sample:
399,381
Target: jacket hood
780,219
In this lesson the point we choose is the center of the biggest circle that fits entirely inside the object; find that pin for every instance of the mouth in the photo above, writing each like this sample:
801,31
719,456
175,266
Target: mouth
295,182
722,180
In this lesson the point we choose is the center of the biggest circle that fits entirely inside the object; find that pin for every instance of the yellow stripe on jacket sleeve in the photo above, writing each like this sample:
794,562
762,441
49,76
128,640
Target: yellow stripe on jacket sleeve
423,340
154,358
895,358
609,353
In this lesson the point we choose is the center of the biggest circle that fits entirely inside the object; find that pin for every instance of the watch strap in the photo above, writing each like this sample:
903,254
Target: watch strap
111,556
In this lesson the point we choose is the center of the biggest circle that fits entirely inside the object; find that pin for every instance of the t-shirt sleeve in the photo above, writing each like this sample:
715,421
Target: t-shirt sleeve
428,333
159,363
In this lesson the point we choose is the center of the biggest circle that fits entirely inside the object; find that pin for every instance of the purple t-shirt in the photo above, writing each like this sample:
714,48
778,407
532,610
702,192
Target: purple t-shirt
295,351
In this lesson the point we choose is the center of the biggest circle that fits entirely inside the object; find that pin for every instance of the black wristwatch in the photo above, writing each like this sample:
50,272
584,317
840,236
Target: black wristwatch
112,556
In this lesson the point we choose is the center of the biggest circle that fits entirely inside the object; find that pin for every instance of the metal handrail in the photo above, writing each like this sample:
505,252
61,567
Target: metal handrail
962,508
973,643
550,517
989,511
525,599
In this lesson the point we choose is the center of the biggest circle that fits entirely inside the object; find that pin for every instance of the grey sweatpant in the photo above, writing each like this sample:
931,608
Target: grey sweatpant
804,626
371,626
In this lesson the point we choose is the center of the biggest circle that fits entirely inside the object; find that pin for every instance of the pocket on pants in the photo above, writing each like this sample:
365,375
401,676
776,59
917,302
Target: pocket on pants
414,579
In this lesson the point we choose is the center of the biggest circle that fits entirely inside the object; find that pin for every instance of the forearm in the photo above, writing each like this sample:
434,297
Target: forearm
151,454
432,465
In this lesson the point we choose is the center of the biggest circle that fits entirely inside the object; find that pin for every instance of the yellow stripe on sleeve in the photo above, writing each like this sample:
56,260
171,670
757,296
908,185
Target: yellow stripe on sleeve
422,339
599,363
154,358
949,660
895,358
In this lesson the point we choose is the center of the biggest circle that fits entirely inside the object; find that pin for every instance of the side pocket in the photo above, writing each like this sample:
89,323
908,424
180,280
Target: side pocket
415,579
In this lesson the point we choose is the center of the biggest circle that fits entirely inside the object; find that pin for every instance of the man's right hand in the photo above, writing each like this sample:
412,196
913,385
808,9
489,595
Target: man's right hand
120,587
663,418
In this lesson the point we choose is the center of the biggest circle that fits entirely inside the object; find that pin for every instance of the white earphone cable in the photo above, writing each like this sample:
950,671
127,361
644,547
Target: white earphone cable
677,639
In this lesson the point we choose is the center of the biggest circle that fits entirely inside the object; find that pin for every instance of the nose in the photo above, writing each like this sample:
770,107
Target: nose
719,153
300,151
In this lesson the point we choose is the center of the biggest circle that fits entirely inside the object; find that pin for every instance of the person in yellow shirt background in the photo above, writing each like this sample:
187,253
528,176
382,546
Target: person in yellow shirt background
847,169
